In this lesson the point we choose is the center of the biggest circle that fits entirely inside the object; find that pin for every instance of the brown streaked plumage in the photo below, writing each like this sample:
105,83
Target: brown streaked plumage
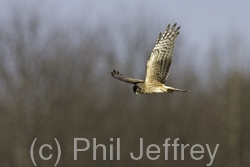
157,67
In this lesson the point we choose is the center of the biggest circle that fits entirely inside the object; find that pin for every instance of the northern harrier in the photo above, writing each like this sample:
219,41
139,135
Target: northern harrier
157,67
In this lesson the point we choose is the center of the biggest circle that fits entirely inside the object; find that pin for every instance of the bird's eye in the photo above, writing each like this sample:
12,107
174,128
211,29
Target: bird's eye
138,89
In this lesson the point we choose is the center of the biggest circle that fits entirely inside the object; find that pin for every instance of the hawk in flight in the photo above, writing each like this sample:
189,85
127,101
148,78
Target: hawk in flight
157,67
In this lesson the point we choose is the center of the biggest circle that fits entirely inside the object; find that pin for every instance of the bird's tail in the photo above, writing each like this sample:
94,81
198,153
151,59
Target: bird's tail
171,90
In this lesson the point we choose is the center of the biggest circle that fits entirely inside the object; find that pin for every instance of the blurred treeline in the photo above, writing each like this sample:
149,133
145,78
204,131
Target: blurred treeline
57,84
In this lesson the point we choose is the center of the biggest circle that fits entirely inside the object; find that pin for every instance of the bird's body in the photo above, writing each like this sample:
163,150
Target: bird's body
155,88
157,66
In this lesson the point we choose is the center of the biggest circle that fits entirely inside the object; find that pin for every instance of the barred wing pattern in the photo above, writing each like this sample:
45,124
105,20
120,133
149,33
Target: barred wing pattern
159,62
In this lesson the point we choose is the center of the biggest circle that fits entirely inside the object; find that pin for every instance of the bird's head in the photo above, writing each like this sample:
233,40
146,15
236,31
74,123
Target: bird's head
137,89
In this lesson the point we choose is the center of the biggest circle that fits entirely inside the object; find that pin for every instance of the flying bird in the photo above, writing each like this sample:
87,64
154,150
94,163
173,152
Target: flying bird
157,66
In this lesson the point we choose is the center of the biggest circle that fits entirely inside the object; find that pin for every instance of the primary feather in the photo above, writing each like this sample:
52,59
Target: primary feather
159,62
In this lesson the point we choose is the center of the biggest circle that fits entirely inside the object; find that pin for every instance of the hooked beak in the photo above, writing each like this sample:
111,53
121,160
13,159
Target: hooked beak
136,93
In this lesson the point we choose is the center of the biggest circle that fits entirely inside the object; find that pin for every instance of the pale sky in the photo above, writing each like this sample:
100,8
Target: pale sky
201,20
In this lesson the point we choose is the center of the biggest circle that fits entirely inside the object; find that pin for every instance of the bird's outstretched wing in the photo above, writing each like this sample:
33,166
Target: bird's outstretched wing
121,77
159,62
